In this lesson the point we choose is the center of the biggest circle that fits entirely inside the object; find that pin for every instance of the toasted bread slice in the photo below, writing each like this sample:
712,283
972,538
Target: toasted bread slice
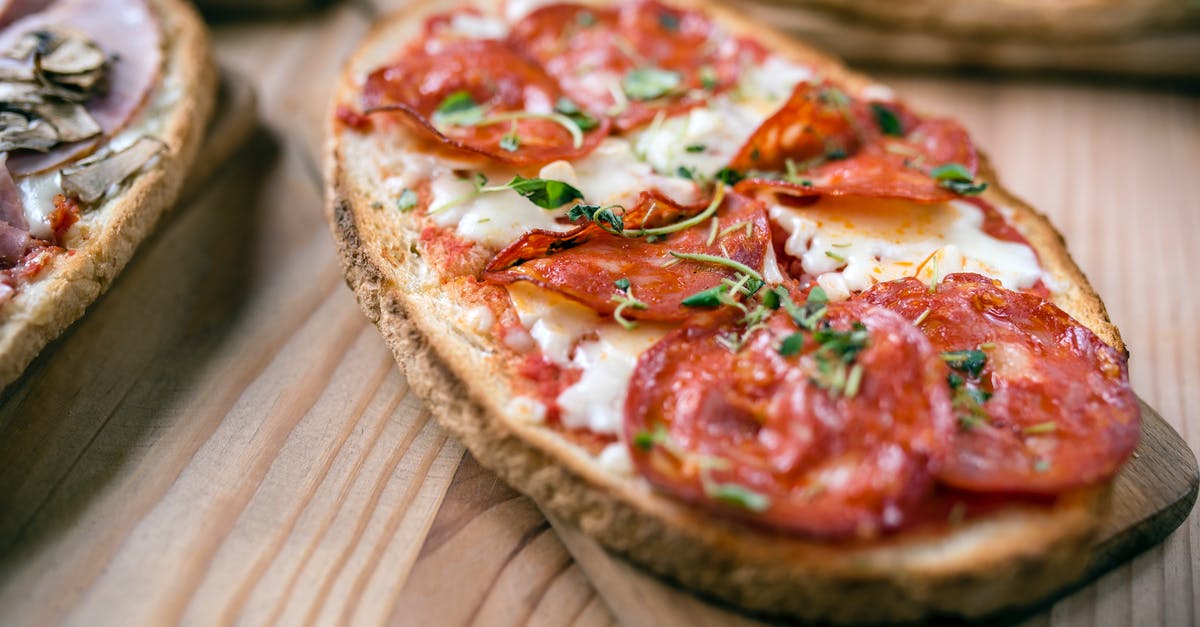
105,237
1014,556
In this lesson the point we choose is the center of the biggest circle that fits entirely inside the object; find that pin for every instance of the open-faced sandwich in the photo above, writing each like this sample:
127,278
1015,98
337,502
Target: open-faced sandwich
102,110
737,312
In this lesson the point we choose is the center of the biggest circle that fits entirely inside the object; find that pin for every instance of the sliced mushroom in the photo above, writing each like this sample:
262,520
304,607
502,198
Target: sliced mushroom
17,74
72,121
29,43
19,132
74,54
91,179
21,95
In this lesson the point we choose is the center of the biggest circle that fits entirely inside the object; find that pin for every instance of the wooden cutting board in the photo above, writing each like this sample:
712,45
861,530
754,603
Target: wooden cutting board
224,439
1153,494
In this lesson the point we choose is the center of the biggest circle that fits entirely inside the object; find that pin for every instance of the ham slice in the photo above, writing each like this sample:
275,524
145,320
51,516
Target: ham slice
12,10
128,31
14,243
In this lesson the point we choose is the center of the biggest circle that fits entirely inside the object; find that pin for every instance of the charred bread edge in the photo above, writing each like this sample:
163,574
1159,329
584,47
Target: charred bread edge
1016,557
44,308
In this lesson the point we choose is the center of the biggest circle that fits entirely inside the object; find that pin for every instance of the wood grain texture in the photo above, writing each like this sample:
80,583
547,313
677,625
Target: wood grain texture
224,439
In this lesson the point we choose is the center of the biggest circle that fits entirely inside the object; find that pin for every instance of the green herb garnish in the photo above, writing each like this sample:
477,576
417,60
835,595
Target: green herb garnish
458,109
650,83
791,344
737,495
887,120
407,200
545,193
567,107
510,142
956,178
971,362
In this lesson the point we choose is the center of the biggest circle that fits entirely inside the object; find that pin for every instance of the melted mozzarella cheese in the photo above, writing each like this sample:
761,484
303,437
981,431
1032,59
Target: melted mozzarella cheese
851,244
37,198
494,219
609,175
606,353
517,9
706,139
702,140
478,26
612,174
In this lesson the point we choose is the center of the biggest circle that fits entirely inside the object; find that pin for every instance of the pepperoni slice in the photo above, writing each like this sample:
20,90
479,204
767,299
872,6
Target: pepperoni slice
828,144
633,61
766,437
1044,407
586,263
500,104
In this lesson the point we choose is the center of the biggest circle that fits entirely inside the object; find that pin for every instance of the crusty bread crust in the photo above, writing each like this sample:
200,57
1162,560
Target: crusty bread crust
1016,556
44,308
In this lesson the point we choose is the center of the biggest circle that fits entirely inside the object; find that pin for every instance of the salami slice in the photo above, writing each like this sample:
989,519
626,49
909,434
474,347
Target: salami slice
633,61
591,264
1043,404
483,97
821,142
774,434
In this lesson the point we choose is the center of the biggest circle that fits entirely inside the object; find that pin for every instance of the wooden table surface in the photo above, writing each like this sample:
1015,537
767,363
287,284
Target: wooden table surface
225,438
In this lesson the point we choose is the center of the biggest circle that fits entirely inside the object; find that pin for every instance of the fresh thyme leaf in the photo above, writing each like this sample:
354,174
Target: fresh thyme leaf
737,495
650,83
646,440
686,172
710,297
970,362
887,120
510,142
696,148
720,261
844,345
968,405
599,215
458,109
407,200
772,298
729,176
545,193
956,178
625,300
567,107
791,344
622,283
853,381
965,188
708,77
